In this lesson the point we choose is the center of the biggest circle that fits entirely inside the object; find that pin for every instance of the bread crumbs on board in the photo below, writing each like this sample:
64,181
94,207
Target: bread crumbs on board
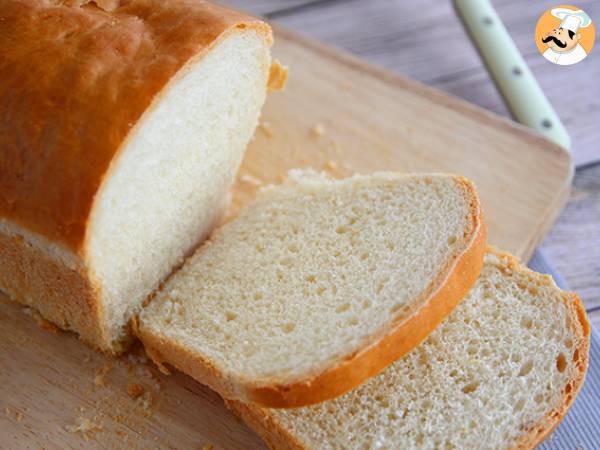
336,170
18,414
100,378
135,390
266,129
207,447
332,166
85,427
146,374
145,402
278,75
122,435
317,131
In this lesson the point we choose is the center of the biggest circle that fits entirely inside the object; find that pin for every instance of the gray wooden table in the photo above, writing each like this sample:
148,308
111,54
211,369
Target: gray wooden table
425,41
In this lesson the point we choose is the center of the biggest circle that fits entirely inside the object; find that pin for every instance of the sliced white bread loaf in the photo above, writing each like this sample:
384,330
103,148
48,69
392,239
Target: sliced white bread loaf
121,131
499,373
319,285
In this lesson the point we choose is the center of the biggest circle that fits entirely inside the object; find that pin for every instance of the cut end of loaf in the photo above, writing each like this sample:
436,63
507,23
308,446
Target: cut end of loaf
162,98
319,285
502,369
168,186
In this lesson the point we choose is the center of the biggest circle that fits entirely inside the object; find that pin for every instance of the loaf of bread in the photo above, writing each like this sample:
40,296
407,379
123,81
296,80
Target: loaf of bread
122,125
319,285
499,373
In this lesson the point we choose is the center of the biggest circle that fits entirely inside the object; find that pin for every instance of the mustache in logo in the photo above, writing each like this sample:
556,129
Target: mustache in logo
555,40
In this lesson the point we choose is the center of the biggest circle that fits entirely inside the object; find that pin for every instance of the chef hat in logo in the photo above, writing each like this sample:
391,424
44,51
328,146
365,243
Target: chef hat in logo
572,20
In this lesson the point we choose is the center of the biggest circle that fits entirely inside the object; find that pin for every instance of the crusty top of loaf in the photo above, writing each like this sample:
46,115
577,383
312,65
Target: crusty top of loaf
74,82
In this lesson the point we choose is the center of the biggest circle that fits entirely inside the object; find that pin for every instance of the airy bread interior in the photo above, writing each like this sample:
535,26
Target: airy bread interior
312,272
168,186
499,372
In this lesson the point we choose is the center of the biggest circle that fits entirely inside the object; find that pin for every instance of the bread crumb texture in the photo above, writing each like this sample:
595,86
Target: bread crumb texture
313,271
500,370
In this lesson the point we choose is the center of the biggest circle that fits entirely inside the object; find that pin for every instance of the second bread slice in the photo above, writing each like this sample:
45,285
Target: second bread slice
319,285
499,373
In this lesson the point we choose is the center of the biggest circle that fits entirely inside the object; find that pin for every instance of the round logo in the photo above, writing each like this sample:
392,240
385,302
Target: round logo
565,35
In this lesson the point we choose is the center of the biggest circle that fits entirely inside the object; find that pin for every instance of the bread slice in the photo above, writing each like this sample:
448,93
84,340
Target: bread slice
319,285
499,373
121,132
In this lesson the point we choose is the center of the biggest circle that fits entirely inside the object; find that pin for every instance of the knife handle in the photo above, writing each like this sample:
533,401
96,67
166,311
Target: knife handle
520,90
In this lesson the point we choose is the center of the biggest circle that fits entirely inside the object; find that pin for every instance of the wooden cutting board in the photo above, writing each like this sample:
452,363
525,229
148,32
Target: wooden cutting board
337,114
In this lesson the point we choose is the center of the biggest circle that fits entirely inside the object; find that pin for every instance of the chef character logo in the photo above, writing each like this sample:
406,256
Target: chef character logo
565,35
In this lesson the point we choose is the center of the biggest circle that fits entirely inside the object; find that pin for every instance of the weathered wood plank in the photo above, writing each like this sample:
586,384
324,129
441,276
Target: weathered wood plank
431,46
573,245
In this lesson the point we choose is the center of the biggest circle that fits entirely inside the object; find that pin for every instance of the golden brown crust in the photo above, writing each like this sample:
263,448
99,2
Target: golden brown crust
279,437
61,294
444,294
75,81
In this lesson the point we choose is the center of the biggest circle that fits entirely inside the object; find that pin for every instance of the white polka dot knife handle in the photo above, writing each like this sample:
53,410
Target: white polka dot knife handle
512,76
